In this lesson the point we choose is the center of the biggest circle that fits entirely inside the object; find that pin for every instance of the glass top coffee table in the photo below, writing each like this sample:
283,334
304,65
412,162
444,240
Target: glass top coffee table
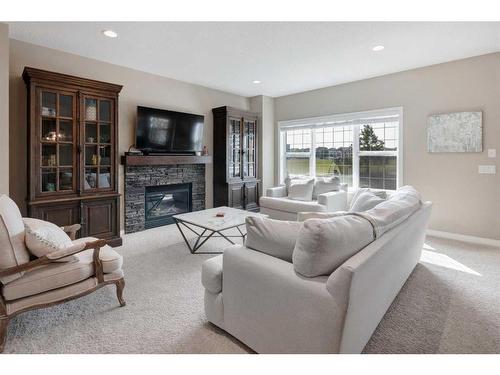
206,224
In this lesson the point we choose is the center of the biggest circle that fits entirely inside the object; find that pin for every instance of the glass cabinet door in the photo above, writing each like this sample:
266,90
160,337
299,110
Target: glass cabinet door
97,144
249,148
235,148
57,141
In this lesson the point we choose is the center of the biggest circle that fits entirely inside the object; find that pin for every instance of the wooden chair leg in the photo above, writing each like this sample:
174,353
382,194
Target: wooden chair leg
120,284
3,332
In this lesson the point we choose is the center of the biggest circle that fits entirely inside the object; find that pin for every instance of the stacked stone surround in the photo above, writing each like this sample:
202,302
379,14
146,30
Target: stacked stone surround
138,177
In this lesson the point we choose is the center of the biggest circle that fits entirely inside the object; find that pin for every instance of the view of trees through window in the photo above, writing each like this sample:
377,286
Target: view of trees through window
333,153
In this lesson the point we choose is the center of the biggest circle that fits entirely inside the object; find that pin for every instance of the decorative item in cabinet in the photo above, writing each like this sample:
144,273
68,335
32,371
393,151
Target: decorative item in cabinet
73,135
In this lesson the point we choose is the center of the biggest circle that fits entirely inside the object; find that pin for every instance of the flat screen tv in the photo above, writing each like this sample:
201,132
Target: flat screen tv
162,131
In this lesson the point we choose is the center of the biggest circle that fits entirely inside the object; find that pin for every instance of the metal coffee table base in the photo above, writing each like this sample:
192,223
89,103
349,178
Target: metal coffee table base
205,235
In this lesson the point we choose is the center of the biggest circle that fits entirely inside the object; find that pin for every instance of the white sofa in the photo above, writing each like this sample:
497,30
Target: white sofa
277,205
263,302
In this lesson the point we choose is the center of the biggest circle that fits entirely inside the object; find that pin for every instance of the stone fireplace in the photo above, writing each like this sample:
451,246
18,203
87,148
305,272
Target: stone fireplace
153,193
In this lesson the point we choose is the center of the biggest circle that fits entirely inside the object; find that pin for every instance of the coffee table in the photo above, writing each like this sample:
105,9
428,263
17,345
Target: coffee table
205,224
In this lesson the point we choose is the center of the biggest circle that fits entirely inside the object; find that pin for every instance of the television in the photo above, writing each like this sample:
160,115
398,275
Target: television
162,131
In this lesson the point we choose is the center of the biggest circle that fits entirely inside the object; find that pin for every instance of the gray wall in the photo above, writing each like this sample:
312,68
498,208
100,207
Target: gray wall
139,88
464,201
4,108
264,105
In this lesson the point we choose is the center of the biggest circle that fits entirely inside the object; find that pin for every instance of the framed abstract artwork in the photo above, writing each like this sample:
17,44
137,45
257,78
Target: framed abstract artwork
455,132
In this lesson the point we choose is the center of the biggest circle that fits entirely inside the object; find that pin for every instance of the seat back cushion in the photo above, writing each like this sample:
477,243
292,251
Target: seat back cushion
273,237
13,251
324,244
301,190
379,193
325,185
365,201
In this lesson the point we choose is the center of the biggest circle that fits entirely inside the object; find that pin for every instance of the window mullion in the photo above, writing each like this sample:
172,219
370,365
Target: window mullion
312,158
355,157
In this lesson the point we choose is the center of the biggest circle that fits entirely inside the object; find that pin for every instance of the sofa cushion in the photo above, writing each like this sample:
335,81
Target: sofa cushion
379,193
13,251
43,237
289,205
365,201
397,208
325,185
324,244
57,275
301,190
274,237
211,274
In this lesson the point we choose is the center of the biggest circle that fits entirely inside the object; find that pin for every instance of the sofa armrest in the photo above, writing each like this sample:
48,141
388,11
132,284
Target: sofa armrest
276,192
333,201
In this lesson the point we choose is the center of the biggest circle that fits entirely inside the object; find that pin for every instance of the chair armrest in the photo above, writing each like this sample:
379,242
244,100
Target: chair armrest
333,201
276,192
71,230
303,216
56,256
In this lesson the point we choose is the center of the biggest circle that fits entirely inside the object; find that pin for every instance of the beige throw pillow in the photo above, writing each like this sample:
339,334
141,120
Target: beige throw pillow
325,185
43,238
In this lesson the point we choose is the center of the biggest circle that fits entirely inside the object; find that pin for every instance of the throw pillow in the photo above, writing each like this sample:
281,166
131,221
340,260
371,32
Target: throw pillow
365,201
324,244
289,179
301,190
325,185
273,237
43,238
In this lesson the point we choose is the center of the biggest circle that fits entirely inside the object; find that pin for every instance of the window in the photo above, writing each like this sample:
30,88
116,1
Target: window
363,148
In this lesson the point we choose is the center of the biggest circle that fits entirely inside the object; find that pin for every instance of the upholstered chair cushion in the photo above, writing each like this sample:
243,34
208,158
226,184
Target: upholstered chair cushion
324,244
57,275
13,251
325,185
272,237
301,190
43,237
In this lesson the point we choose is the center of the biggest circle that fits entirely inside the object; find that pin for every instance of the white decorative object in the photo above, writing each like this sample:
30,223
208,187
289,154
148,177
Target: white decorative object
455,132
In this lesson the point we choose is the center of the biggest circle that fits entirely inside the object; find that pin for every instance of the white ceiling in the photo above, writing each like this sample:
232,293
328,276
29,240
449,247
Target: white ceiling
288,57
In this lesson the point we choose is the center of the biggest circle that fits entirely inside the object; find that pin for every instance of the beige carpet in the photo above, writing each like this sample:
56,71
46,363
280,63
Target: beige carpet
450,304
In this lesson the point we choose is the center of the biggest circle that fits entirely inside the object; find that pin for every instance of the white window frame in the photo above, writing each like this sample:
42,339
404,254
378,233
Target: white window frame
356,119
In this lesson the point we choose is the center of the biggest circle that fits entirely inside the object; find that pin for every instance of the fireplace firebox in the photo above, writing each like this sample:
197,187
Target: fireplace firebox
164,201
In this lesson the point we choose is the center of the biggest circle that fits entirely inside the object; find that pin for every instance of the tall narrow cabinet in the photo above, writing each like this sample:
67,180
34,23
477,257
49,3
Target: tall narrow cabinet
72,152
235,159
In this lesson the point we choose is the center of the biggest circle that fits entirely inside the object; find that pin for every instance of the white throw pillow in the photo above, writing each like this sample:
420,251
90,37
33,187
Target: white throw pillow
43,238
274,237
324,244
301,190
325,185
365,201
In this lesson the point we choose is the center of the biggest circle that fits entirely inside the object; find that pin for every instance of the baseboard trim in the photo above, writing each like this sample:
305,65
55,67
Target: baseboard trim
464,238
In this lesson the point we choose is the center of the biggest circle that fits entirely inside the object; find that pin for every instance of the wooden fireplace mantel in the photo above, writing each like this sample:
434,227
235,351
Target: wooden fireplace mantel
165,159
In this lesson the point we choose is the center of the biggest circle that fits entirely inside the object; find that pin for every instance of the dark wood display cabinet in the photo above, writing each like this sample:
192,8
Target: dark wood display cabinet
235,159
72,152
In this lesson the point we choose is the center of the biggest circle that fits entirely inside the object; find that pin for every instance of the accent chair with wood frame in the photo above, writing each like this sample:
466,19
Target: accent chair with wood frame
28,283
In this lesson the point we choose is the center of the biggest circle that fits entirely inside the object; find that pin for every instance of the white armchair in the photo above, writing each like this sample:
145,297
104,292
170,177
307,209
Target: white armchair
278,206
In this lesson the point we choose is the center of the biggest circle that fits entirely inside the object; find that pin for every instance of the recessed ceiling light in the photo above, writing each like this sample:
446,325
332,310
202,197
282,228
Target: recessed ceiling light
256,81
110,33
378,48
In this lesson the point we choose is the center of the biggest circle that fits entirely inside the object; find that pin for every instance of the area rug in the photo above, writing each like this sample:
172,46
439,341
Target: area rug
449,304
